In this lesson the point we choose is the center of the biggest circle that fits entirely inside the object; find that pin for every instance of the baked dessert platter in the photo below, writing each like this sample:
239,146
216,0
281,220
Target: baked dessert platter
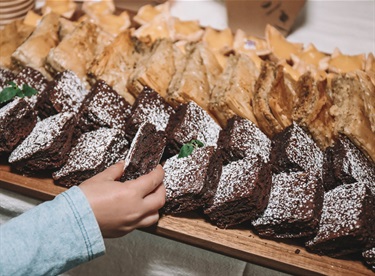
263,133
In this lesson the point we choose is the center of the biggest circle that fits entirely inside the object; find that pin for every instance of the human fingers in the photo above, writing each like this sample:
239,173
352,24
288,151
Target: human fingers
148,220
146,184
155,200
113,172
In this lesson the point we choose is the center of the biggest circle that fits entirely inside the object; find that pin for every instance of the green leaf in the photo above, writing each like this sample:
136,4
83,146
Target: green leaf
197,143
185,150
13,90
28,91
7,94
188,148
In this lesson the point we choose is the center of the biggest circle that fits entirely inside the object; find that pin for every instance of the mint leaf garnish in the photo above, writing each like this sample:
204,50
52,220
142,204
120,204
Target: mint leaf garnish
28,91
188,148
14,90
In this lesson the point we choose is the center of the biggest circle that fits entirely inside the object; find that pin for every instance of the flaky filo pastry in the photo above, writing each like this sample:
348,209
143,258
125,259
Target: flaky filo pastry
351,114
35,49
311,110
11,37
115,64
77,50
195,77
233,91
154,69
273,100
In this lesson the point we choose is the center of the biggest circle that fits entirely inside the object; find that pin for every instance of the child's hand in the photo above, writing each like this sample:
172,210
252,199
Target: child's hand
120,207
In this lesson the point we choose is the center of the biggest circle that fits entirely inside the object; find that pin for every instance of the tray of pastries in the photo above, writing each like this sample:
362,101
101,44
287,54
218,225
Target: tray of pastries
281,170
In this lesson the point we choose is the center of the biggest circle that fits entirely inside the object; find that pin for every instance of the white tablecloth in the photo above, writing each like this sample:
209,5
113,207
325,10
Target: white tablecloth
348,25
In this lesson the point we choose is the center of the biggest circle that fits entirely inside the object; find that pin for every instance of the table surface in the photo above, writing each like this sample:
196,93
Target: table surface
192,229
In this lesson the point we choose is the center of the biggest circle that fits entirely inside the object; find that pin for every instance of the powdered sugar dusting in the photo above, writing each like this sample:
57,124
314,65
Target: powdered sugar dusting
42,136
356,164
107,108
153,109
247,137
93,149
235,181
186,175
198,124
304,151
341,212
291,198
69,91
7,110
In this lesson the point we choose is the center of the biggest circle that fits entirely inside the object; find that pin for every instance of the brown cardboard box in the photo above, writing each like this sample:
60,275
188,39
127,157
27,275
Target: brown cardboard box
134,5
252,16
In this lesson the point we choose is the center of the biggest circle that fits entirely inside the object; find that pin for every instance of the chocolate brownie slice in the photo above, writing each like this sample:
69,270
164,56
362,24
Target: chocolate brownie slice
93,153
189,180
48,145
293,150
294,206
242,138
145,152
344,163
191,122
369,257
37,81
67,92
6,76
17,120
347,223
103,108
242,193
149,107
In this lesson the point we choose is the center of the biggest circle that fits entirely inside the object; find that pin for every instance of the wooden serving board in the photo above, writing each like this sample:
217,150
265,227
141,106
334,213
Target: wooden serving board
192,229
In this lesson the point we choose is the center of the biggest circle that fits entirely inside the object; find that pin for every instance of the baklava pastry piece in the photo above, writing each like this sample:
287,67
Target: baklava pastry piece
195,79
273,100
309,60
11,37
244,43
311,110
186,30
115,63
34,50
65,8
77,50
340,63
234,90
154,70
148,12
279,46
220,42
102,14
350,114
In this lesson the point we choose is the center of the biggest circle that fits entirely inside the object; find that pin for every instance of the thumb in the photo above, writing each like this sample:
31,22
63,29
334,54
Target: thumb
113,172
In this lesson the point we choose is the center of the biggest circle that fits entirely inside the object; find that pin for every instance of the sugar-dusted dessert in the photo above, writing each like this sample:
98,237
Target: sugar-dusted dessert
145,152
93,153
293,150
17,120
242,192
369,257
67,92
242,138
347,223
104,108
149,107
37,81
294,206
190,180
191,122
5,77
48,145
344,163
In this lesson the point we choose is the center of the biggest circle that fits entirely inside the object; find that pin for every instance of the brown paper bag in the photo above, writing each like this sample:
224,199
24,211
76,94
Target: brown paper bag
252,16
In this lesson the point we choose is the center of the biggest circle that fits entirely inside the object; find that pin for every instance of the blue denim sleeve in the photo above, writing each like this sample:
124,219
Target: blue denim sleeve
51,238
